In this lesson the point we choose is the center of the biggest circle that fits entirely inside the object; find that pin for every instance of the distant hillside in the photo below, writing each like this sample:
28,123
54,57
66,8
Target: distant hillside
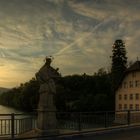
2,89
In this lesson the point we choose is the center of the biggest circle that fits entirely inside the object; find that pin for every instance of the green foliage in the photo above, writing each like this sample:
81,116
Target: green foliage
74,93
24,97
86,93
119,62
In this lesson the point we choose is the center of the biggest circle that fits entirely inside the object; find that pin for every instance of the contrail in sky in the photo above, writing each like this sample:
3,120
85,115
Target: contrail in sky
83,37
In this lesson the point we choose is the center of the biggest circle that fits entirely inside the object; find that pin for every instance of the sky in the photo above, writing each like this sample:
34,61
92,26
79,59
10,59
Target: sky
79,34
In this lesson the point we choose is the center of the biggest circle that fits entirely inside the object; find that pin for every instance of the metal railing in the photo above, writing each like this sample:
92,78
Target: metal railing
13,125
84,121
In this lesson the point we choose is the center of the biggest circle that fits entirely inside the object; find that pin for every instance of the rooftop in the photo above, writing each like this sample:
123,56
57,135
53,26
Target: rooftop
134,67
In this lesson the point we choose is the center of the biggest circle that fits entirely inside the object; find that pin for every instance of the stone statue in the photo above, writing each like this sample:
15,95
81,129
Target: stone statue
46,107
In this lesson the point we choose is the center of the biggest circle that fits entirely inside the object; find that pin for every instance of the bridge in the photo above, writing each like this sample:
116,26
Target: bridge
127,134
75,125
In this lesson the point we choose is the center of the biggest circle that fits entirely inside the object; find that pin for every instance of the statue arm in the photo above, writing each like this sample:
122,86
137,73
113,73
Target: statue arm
39,78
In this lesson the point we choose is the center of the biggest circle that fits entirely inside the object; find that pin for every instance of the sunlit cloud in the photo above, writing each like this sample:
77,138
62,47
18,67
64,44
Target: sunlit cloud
77,33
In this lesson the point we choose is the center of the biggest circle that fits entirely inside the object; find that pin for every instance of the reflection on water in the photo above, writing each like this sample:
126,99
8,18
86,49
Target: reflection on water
21,122
8,110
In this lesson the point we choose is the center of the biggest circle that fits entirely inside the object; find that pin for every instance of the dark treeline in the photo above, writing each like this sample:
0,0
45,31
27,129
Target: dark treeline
74,93
24,97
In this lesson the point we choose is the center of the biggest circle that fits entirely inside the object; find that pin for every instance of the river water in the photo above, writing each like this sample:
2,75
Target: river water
8,110
22,122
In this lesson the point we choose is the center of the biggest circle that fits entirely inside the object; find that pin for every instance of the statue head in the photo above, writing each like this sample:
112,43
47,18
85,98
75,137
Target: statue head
48,61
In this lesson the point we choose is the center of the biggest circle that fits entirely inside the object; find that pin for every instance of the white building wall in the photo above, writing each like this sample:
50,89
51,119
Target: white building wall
130,85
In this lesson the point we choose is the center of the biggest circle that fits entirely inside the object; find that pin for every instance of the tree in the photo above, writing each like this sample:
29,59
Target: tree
74,93
119,62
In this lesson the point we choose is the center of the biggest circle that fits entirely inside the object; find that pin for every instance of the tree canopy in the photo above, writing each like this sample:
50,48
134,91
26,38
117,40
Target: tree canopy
74,93
119,62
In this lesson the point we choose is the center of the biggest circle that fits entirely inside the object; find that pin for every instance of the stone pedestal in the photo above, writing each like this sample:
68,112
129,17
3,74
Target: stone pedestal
46,120
46,123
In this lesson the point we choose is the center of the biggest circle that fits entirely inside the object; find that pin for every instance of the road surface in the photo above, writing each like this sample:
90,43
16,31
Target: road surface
133,134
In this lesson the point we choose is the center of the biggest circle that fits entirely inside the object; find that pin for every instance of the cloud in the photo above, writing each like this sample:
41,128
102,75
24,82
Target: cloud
78,33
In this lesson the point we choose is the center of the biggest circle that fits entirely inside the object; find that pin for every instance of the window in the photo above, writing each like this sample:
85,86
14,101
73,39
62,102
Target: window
120,106
120,96
137,96
133,74
125,97
130,84
137,106
131,97
131,107
125,84
125,106
137,83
